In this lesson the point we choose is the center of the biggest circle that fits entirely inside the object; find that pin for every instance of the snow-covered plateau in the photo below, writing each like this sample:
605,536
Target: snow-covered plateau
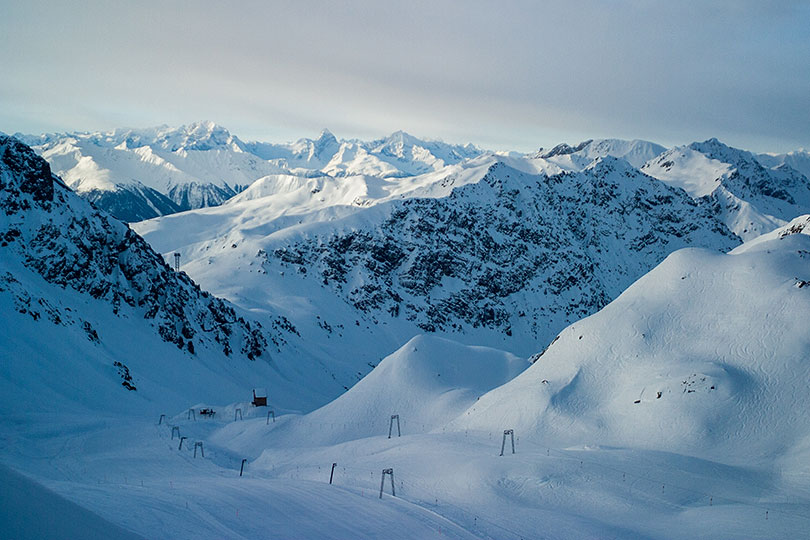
607,340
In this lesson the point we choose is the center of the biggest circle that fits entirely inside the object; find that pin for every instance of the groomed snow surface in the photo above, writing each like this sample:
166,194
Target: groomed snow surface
675,412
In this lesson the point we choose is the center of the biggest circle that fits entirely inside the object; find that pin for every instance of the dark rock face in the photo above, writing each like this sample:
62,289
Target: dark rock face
190,196
136,202
34,174
71,244
514,248
131,204
564,149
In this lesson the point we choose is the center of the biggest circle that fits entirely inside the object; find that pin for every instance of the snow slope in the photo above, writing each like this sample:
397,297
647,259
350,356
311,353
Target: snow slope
132,473
427,382
728,462
704,356
33,512
721,452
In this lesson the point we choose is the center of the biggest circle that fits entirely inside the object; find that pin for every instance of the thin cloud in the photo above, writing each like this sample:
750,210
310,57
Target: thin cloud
506,75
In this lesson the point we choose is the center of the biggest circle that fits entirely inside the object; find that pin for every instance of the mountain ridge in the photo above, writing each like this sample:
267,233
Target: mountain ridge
753,198
499,258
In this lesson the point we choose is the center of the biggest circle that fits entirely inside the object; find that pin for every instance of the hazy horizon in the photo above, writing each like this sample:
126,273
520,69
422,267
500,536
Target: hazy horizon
516,76
339,136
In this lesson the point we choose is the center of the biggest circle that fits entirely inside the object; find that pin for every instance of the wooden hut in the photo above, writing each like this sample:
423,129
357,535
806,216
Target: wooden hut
259,397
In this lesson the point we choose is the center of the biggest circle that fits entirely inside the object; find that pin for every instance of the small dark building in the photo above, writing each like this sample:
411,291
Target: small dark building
259,397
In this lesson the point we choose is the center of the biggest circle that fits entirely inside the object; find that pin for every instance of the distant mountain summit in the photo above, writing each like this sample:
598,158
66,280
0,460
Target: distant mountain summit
751,198
200,136
636,152
398,155
798,160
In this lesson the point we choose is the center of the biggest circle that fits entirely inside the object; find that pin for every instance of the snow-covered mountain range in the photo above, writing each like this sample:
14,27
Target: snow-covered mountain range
372,242
597,299
497,250
137,174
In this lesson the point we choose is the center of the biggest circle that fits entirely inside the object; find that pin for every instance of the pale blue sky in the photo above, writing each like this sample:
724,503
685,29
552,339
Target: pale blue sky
505,75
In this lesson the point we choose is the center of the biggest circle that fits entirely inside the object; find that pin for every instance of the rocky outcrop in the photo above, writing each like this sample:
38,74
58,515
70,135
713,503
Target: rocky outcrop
69,243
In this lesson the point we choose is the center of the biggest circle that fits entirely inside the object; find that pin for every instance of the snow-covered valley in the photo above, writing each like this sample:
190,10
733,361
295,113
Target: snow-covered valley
598,300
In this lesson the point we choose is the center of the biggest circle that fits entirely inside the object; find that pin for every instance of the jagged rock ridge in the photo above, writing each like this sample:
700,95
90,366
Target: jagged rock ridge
512,251
67,242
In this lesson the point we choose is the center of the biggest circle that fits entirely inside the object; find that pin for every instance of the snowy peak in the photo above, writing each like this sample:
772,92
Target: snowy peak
411,155
563,149
199,136
751,179
311,154
751,198
689,169
140,174
397,144
798,160
636,152
326,137
714,149
398,155
202,135
606,164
